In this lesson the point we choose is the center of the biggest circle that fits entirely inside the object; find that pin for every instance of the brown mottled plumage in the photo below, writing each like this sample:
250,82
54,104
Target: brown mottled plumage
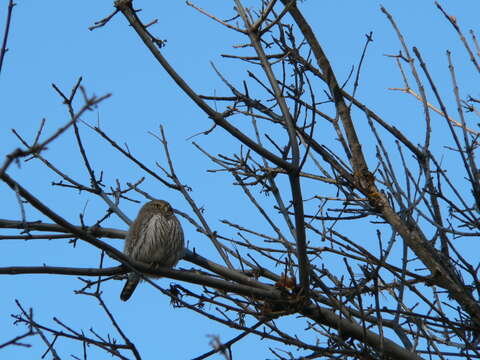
155,238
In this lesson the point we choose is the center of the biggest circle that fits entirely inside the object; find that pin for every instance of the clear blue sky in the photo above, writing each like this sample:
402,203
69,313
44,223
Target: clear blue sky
50,43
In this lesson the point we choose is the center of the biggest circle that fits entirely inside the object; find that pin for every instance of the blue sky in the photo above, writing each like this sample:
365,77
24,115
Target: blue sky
50,43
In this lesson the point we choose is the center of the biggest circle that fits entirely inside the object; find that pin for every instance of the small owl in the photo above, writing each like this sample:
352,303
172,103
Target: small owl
154,238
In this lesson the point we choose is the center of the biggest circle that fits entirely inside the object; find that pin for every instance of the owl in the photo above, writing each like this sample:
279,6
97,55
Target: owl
154,238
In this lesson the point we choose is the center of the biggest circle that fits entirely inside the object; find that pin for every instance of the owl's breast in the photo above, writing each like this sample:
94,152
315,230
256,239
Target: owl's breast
161,241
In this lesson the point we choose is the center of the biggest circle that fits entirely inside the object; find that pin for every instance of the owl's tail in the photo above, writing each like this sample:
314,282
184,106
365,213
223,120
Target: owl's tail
129,288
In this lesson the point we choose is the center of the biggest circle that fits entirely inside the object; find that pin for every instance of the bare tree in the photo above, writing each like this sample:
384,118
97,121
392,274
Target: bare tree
410,292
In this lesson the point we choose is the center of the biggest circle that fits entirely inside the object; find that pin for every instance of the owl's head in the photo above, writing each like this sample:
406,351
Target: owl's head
158,206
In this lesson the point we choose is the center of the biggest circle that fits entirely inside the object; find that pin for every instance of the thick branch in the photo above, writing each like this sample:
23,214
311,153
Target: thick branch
443,275
294,178
348,328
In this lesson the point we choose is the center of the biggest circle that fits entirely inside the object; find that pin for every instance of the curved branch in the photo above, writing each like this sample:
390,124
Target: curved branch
125,6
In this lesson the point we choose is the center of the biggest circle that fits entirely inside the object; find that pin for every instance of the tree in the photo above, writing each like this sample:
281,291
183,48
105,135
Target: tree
360,251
